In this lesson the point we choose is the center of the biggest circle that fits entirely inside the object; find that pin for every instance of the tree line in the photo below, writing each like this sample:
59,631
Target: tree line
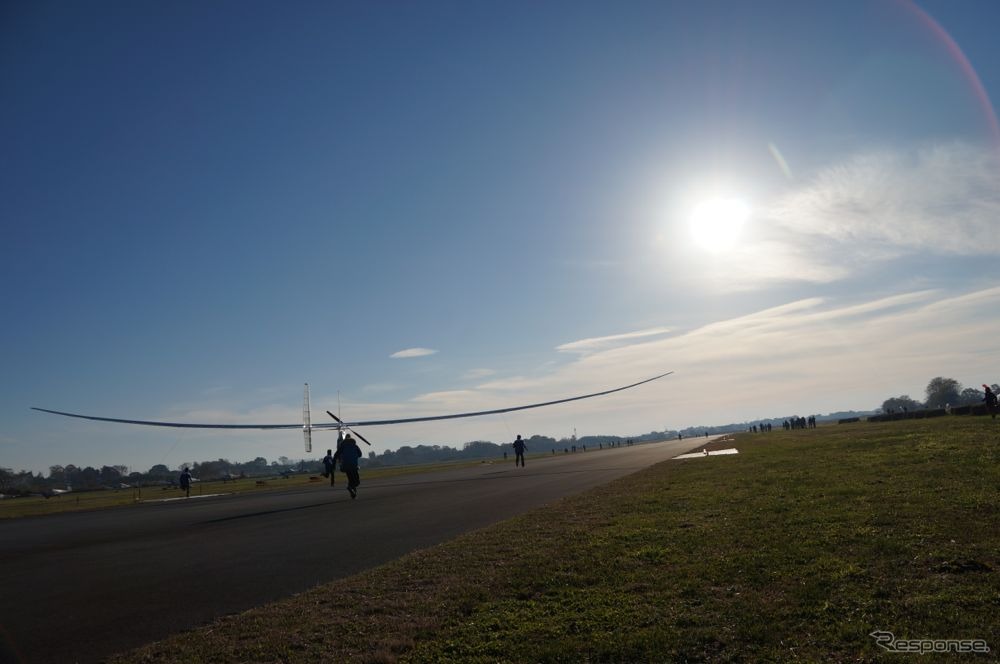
89,478
940,393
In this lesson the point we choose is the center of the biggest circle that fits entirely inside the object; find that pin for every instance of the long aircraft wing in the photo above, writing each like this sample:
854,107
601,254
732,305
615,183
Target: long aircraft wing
332,425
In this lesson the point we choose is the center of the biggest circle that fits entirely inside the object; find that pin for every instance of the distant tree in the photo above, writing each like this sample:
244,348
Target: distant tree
22,481
970,396
941,391
88,478
480,448
111,476
541,443
6,478
899,403
159,473
211,469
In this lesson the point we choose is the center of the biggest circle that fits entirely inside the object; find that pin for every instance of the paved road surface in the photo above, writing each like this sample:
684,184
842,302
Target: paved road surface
79,587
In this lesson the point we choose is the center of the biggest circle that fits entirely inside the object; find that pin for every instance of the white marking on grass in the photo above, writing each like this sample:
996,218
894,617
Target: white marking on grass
703,453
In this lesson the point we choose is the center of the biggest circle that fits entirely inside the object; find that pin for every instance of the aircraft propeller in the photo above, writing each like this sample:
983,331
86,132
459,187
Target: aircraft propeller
340,421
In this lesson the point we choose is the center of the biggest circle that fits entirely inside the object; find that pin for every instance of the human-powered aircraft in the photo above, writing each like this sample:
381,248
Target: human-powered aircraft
339,425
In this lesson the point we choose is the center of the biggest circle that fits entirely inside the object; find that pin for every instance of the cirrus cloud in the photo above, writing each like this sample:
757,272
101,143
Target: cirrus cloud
943,199
594,344
412,352
867,211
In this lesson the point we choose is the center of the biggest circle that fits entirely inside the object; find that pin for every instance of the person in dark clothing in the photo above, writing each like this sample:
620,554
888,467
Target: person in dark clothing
185,481
329,466
519,448
991,401
348,453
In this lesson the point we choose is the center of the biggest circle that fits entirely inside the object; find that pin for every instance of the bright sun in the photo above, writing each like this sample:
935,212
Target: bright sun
716,223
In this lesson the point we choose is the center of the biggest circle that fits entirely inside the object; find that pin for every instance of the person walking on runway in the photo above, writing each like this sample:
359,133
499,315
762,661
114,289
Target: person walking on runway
519,448
329,466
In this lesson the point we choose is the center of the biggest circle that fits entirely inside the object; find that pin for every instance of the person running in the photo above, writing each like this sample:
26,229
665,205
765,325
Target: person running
349,453
519,448
185,481
329,466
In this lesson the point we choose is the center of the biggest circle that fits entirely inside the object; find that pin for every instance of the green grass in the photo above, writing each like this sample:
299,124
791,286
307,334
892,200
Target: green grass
794,550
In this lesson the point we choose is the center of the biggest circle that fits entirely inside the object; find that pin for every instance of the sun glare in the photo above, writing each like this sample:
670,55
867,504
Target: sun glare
716,223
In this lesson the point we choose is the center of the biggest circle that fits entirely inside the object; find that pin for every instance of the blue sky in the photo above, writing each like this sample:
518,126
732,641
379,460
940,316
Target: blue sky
205,205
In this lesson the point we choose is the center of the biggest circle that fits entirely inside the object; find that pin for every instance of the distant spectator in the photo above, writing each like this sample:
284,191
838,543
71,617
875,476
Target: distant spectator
990,398
185,481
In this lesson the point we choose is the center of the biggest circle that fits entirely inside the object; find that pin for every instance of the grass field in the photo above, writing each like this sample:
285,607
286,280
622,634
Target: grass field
794,550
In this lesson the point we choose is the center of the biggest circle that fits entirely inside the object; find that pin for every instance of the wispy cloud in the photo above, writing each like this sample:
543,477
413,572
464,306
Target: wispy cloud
412,352
598,343
475,374
942,200
513,383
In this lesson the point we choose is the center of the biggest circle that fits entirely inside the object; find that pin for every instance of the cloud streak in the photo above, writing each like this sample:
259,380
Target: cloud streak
594,344
413,352
943,199
871,209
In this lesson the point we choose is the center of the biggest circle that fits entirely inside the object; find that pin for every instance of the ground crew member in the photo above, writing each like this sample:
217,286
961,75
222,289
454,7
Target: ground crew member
348,453
519,448
329,466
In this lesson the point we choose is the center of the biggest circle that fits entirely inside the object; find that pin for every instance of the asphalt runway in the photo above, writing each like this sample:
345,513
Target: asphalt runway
80,587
